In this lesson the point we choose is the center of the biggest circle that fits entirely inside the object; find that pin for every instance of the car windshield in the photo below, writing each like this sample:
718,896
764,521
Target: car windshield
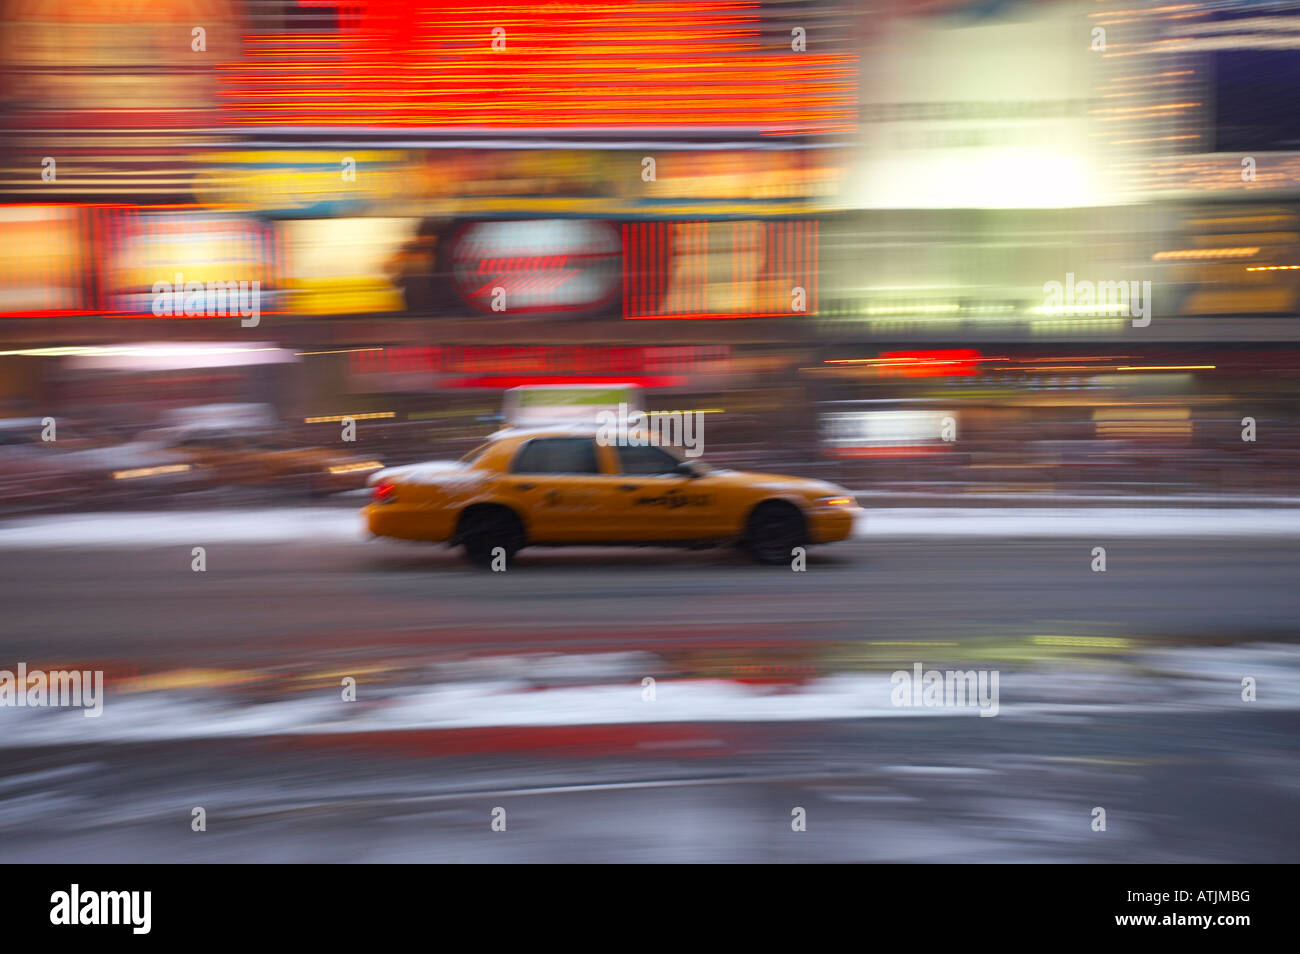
474,454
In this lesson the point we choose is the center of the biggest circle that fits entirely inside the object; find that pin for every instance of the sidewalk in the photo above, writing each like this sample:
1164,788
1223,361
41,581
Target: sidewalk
970,497
333,524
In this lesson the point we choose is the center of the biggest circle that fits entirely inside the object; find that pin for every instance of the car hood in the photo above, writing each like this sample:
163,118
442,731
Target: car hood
778,483
427,472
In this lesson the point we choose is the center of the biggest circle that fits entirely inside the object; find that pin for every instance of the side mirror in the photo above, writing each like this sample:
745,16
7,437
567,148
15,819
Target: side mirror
685,468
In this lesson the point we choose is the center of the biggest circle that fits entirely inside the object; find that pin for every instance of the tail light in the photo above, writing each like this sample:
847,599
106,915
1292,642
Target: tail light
384,491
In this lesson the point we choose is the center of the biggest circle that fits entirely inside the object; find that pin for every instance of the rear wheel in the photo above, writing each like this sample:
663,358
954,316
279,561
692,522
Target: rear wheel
773,531
485,529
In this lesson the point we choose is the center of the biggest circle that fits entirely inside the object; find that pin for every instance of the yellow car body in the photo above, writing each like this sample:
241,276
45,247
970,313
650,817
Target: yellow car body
561,486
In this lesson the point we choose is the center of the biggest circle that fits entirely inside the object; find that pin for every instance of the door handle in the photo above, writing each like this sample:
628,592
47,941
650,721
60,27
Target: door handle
629,486
524,486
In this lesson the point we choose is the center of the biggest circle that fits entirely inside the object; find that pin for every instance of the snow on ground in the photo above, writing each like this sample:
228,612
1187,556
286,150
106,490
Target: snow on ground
1165,682
1091,522
291,524
182,527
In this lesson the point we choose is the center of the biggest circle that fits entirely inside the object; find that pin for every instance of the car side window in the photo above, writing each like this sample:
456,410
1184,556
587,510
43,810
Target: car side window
646,461
557,455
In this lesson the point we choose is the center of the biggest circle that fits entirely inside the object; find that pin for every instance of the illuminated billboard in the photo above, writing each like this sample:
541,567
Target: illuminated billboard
728,269
895,432
537,266
952,118
463,181
532,66
40,260
147,250
343,266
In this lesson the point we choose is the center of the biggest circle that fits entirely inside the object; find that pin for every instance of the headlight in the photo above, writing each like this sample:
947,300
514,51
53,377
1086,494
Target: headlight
836,501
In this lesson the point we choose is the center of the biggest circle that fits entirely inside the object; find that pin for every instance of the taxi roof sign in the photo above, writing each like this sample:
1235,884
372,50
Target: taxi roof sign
543,404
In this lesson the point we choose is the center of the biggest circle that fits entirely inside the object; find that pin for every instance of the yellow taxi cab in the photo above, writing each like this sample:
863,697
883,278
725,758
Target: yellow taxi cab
557,486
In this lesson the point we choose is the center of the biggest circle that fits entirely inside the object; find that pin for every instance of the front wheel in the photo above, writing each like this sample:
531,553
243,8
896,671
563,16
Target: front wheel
773,531
482,532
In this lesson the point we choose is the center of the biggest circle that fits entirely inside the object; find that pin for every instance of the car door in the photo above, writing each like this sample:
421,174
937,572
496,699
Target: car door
659,503
557,485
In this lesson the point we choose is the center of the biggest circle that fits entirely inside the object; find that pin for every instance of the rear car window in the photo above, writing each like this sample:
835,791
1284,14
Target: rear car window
557,455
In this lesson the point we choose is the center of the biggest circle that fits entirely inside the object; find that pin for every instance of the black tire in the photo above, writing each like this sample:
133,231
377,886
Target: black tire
483,529
774,529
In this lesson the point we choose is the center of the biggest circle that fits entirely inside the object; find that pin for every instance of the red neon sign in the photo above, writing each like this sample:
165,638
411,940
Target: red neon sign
482,64
939,363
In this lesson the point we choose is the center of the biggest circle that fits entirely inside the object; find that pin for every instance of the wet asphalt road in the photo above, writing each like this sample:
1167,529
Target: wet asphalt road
1181,786
1186,788
308,603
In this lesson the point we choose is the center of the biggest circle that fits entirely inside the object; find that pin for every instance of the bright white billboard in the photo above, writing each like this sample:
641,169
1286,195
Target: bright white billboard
997,110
